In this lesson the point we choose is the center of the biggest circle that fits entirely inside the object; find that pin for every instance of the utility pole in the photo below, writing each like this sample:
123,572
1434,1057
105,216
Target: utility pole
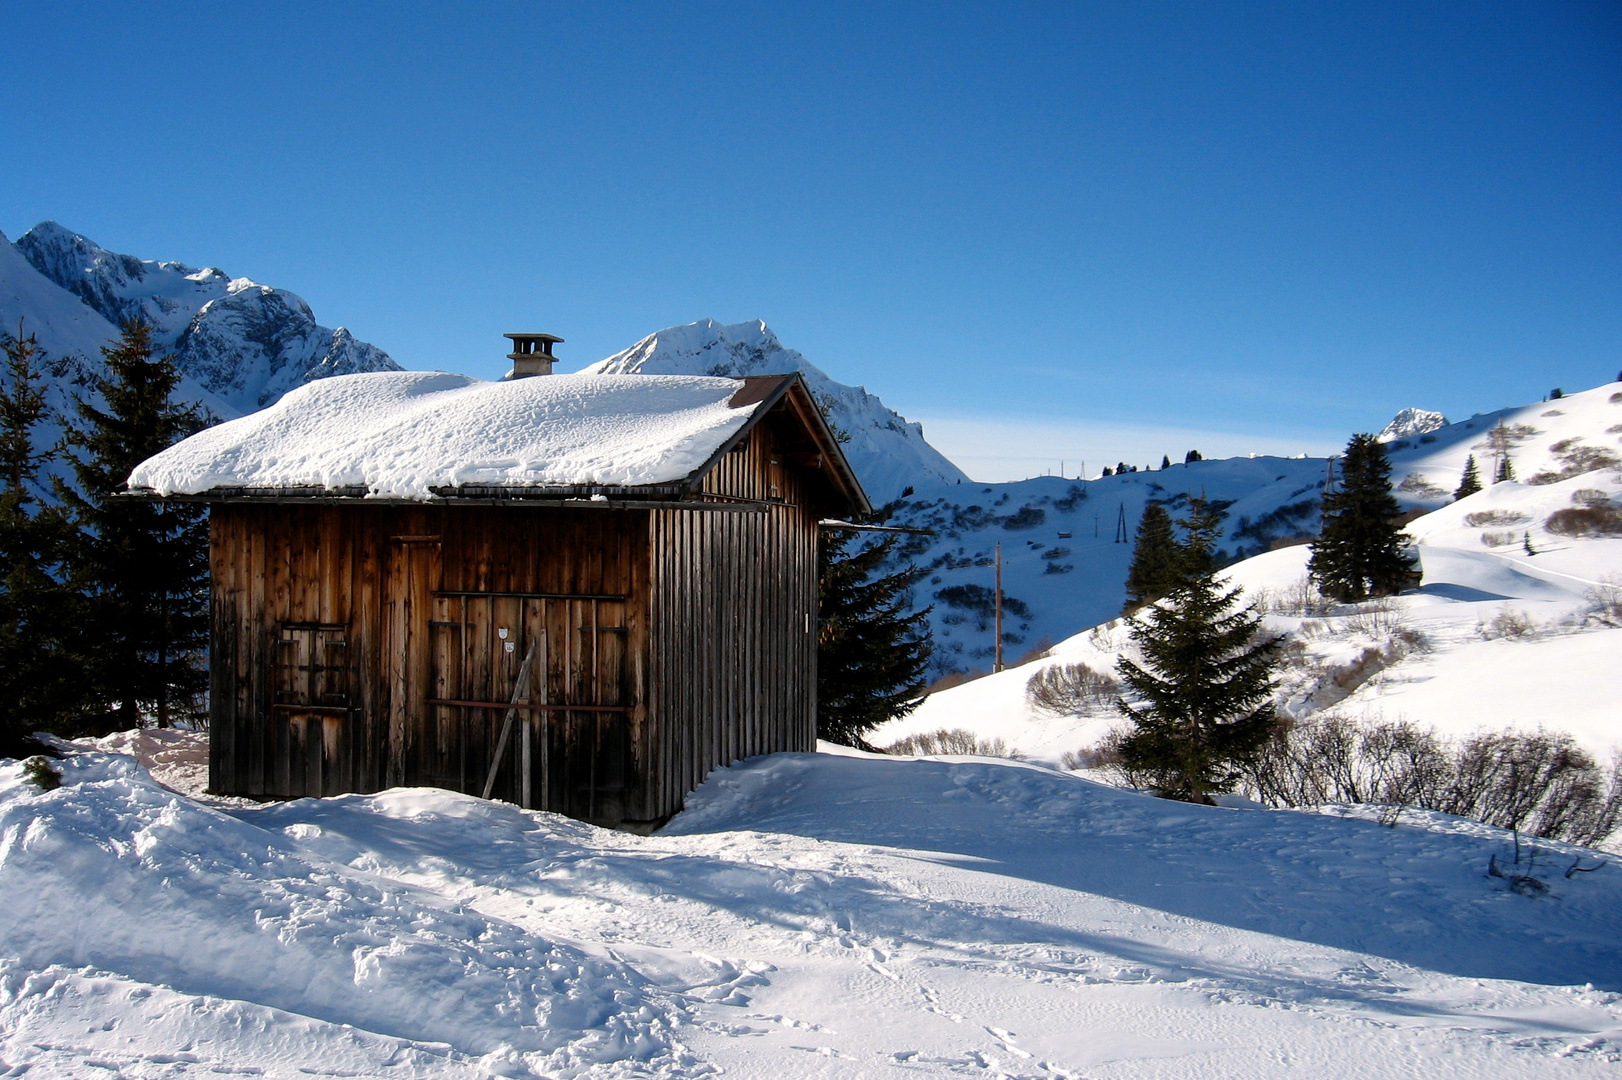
997,664
1120,526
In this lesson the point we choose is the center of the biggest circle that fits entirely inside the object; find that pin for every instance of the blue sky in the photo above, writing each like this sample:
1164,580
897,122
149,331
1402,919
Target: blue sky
1051,232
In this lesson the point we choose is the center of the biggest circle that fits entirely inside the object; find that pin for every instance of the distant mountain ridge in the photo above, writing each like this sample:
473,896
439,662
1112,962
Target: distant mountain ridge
888,452
244,343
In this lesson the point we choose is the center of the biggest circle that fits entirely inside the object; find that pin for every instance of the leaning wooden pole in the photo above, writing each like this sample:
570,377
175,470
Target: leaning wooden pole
520,697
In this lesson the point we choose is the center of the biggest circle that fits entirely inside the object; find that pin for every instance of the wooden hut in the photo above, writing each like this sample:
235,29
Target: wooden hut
395,583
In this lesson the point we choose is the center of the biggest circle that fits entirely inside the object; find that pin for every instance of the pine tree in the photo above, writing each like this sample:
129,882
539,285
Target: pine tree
1506,469
871,652
37,677
1192,455
1470,482
1359,550
1165,461
1205,684
1155,568
141,566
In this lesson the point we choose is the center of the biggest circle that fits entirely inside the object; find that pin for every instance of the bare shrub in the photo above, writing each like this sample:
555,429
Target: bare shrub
1510,624
1605,601
1418,484
1499,539
1071,689
949,741
1614,429
1616,398
1590,497
1376,618
951,679
1484,518
1576,458
1538,783
1300,599
1603,520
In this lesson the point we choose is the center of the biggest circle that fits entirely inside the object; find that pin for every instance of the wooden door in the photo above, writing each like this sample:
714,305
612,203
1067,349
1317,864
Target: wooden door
568,748
414,572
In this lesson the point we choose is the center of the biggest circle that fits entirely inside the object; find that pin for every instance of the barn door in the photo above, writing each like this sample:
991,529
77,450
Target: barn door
312,721
414,569
569,749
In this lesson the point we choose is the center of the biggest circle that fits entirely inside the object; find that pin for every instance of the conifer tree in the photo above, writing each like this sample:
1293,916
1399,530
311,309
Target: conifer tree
37,679
1165,461
1155,566
1506,469
1204,686
1359,550
1470,482
141,566
1192,455
872,651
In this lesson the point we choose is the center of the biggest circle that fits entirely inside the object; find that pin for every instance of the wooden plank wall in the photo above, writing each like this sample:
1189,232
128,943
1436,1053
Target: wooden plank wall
734,617
370,575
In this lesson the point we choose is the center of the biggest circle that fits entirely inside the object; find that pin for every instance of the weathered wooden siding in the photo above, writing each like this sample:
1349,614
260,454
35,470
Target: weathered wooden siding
357,647
733,619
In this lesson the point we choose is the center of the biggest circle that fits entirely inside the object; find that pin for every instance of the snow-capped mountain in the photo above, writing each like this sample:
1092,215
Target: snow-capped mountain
1410,424
887,451
244,343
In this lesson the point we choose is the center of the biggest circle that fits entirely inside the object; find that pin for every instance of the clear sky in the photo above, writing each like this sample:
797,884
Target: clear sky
1049,231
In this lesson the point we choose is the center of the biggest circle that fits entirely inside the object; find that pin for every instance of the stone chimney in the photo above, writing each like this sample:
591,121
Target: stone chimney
531,355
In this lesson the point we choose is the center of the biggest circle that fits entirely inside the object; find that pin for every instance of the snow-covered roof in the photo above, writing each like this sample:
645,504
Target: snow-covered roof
409,434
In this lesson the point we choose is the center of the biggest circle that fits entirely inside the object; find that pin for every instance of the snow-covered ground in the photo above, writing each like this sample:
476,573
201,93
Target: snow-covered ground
1494,638
830,914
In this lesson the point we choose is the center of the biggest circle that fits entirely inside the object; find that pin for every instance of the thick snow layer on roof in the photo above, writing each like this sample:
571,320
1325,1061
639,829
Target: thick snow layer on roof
400,434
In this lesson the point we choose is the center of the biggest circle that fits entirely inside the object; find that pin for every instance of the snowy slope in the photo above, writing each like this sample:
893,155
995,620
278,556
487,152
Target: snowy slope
1510,640
1577,433
244,343
888,452
809,915
1062,564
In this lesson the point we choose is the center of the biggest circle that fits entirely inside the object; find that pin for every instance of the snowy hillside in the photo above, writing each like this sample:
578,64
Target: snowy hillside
1063,566
808,915
888,452
1545,442
240,343
1494,638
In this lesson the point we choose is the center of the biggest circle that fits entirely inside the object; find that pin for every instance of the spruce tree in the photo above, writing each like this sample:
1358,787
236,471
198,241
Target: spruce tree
1204,686
141,566
1506,469
1165,462
1155,560
38,682
1359,551
872,651
1191,456
1470,482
